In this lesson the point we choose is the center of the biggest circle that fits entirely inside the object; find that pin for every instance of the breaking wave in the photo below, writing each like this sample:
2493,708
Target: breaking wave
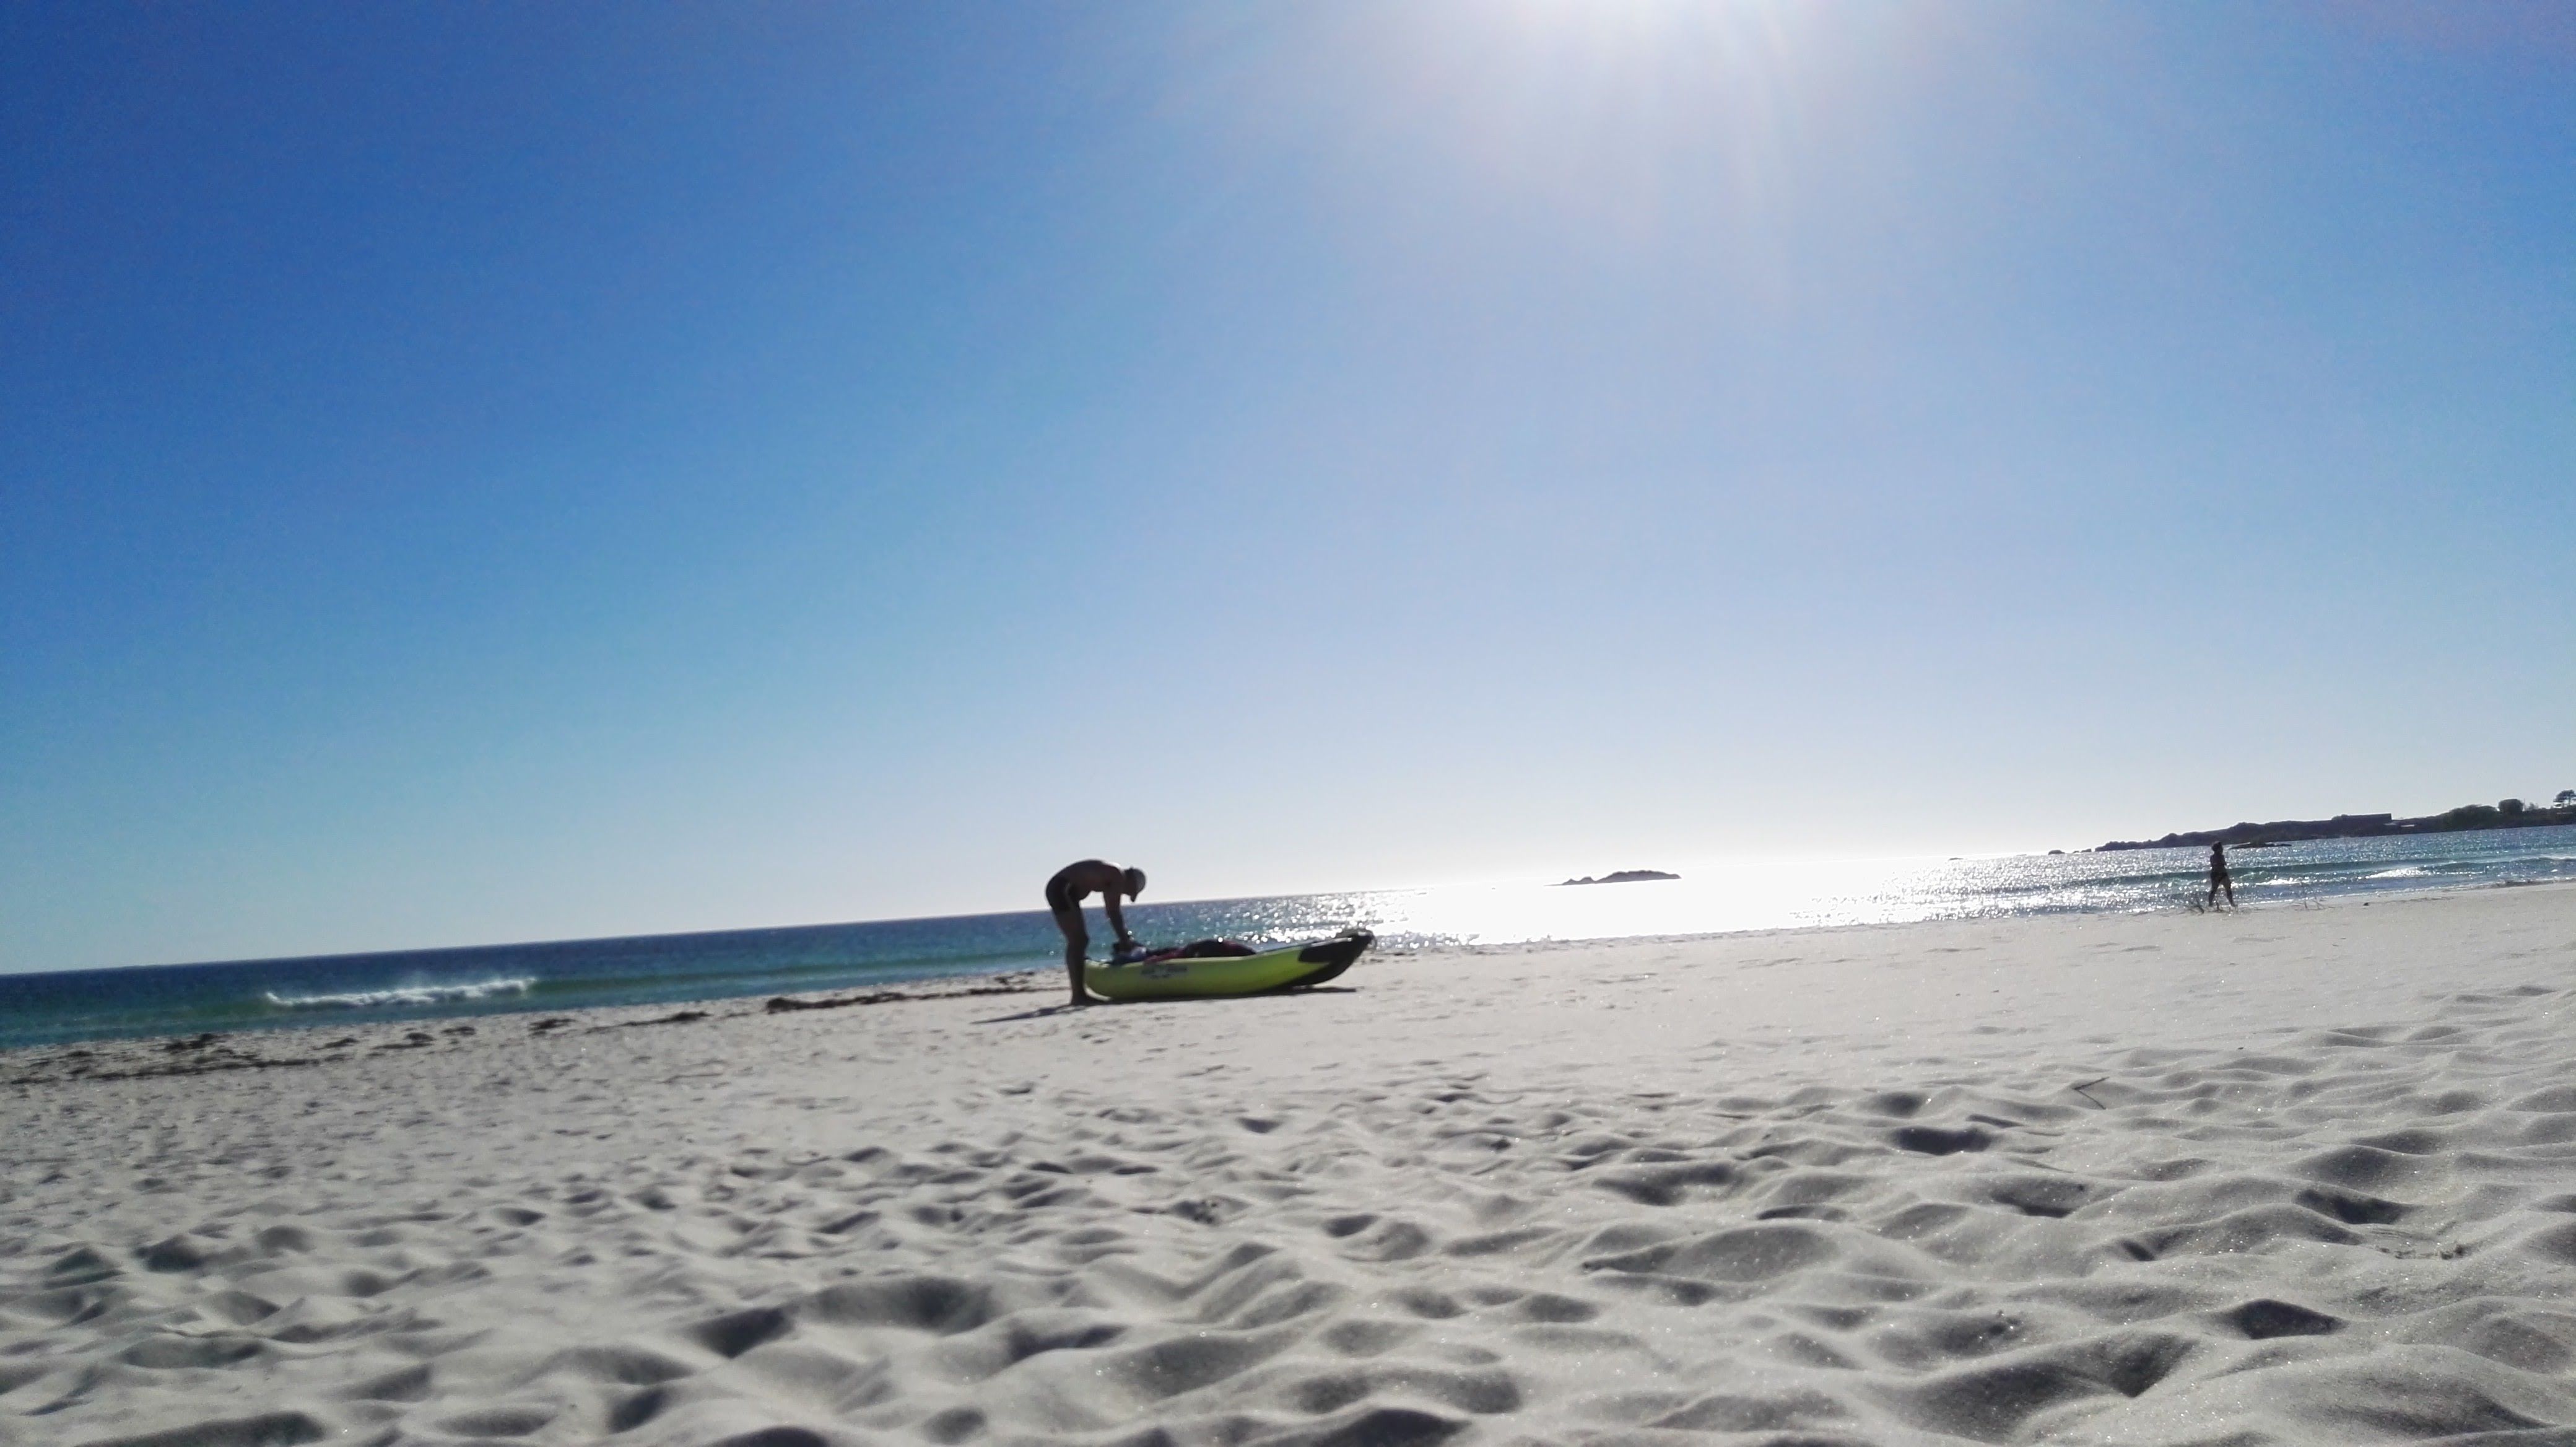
403,995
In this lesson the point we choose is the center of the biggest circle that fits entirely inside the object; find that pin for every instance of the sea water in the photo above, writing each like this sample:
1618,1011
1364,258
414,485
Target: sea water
1709,898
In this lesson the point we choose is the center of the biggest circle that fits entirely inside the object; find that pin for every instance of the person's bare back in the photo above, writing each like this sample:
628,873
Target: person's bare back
1064,896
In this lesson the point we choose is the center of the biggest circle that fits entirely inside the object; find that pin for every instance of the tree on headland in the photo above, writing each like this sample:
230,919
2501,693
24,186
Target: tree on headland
2567,796
2508,807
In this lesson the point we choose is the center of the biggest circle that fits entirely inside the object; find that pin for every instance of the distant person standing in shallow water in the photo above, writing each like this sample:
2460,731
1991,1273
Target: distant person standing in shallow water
2218,879
1064,896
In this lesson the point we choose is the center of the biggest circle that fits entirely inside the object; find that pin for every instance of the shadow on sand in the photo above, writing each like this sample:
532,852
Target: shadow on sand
1045,1011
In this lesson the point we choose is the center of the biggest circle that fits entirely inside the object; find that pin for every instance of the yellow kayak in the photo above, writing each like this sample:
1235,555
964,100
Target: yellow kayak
1294,968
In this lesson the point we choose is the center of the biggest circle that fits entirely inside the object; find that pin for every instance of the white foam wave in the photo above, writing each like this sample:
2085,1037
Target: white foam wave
2408,872
403,995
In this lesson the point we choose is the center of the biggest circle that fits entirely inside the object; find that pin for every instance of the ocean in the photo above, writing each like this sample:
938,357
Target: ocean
1712,898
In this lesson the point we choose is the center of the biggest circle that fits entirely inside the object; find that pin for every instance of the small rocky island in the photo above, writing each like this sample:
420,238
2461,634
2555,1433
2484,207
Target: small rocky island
1623,876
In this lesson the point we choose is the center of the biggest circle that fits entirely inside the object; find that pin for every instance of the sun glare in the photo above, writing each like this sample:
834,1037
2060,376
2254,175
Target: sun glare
1627,116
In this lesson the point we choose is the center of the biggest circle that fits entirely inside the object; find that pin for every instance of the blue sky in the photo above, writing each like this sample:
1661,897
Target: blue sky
477,473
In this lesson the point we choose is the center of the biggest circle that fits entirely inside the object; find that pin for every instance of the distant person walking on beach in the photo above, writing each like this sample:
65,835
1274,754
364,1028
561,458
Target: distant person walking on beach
2218,879
1064,895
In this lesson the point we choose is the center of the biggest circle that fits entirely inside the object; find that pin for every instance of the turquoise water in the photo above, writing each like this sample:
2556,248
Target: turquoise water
1711,898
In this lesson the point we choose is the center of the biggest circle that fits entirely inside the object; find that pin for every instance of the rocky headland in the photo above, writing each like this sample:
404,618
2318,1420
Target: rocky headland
2505,814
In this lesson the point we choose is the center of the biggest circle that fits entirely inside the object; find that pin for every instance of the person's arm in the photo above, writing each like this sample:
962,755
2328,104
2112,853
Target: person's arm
1117,921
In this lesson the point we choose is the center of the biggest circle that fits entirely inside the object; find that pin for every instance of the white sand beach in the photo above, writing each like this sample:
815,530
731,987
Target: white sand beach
2287,1176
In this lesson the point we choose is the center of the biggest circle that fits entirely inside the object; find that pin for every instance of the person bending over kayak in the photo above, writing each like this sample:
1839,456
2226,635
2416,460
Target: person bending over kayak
1064,896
